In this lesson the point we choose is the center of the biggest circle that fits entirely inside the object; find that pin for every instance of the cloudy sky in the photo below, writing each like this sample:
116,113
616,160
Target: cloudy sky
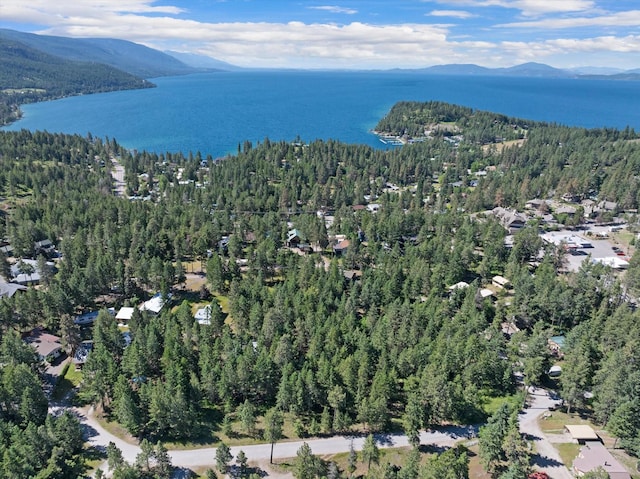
354,33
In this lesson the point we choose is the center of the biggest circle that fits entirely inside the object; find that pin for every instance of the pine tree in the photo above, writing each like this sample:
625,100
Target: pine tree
273,422
370,451
223,456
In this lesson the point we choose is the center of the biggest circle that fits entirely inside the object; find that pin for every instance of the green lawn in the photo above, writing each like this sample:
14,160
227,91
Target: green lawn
69,379
568,452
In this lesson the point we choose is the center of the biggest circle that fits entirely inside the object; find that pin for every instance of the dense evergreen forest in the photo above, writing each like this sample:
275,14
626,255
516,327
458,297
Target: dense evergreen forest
29,75
391,346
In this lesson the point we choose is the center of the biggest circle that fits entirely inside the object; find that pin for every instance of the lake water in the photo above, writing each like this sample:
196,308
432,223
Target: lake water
214,112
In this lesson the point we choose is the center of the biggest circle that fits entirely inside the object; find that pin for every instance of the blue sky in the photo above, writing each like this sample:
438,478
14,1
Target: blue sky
359,34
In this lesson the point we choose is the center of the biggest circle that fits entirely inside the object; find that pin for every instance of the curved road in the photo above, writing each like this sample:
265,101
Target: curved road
546,459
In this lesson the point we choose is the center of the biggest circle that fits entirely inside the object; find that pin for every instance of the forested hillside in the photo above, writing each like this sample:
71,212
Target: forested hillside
367,338
133,58
30,75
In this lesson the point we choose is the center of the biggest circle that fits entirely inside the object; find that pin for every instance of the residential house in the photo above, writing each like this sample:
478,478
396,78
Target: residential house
510,219
44,247
565,210
48,346
373,207
203,315
86,318
155,304
341,247
352,274
593,455
500,282
556,344
607,206
91,316
294,238
6,249
27,272
124,314
8,290
458,285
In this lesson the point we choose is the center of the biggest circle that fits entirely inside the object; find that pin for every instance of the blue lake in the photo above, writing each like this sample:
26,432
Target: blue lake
214,112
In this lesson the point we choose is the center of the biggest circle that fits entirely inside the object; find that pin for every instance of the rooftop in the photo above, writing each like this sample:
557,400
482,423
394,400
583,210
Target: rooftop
582,432
594,455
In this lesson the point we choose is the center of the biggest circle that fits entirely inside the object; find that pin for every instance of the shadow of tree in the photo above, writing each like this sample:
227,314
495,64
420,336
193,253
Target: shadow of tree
545,461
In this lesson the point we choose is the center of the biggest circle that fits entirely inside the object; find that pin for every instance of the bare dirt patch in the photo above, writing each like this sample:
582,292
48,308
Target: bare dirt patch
498,147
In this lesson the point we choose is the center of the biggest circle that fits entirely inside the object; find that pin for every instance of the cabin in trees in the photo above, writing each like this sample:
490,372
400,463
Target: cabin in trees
352,274
48,346
27,272
6,248
501,282
124,314
510,219
155,304
8,290
341,247
44,247
294,238
203,315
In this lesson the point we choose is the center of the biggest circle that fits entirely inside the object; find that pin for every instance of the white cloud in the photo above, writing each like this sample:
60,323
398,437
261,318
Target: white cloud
316,45
450,13
47,11
620,19
335,9
529,8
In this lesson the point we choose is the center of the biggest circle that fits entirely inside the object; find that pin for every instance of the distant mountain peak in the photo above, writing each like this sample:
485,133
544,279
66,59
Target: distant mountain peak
123,55
202,61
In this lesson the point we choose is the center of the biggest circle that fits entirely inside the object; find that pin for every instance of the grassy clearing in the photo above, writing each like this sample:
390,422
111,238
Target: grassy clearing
568,452
69,379
491,404
557,420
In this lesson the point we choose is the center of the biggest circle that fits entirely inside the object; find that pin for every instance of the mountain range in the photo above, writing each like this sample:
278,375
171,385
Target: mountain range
145,62
532,69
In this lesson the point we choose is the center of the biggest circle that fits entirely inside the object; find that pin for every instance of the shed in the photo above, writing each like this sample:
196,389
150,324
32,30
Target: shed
486,293
582,433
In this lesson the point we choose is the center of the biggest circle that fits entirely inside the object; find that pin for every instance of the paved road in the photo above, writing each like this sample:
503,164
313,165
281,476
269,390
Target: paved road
332,445
546,458
205,457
